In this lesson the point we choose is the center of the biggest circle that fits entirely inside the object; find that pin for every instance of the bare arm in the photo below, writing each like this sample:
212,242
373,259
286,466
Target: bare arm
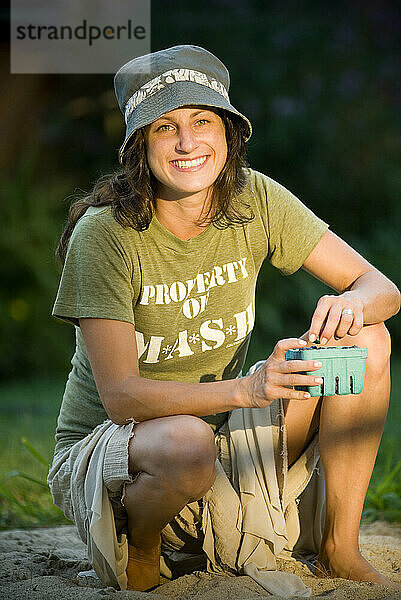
372,296
113,356
112,352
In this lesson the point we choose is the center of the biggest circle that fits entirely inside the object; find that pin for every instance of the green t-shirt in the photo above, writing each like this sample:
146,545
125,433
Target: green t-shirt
192,302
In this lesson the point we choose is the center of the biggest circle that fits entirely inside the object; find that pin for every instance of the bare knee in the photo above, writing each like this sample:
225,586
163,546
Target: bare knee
378,341
193,455
179,449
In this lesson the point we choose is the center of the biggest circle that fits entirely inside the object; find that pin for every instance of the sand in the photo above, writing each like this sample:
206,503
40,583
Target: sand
42,564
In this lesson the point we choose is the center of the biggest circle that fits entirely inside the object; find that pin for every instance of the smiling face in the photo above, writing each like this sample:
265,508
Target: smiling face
186,151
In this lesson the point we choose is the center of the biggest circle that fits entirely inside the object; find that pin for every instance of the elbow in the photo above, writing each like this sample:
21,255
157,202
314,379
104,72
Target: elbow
115,413
120,405
397,300
393,298
116,418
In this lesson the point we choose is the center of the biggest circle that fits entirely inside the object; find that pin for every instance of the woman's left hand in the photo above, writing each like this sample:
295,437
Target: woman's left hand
336,316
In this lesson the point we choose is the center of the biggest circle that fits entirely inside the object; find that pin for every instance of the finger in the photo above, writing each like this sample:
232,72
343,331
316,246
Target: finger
319,317
298,366
333,320
291,379
345,324
290,394
287,344
357,323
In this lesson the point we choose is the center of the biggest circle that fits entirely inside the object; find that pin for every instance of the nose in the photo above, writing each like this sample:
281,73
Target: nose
186,140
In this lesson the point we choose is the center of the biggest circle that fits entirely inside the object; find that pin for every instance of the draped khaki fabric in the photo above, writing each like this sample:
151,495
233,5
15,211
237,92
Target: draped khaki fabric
256,519
256,510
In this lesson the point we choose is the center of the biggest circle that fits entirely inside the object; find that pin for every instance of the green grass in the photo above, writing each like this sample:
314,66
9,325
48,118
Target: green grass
28,415
28,411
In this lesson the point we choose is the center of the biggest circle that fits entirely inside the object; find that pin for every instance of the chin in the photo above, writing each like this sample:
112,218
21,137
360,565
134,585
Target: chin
192,186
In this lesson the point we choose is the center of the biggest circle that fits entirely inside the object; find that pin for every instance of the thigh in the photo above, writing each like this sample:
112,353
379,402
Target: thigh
302,422
302,416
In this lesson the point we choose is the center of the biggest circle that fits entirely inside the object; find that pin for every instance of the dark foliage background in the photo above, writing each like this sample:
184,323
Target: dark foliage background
320,81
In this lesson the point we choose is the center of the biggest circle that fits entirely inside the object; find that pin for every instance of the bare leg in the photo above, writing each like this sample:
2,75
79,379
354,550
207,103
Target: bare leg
176,460
349,436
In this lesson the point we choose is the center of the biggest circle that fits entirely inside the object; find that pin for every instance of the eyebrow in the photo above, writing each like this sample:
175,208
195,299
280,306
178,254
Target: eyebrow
191,115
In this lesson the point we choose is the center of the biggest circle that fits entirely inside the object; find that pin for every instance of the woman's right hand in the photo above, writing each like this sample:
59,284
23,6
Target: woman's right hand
277,376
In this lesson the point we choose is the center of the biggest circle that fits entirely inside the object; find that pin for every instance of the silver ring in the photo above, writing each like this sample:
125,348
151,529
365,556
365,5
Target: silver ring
348,311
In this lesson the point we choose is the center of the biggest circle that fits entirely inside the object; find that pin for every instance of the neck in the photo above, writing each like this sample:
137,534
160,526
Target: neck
187,210
180,216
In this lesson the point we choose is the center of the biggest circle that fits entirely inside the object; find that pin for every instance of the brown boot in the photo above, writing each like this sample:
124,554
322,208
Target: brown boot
143,570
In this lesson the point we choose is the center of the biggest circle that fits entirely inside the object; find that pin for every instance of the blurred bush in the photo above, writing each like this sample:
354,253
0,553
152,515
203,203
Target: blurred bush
32,213
319,82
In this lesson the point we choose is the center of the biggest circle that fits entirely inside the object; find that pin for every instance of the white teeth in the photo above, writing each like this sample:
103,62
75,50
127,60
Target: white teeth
187,164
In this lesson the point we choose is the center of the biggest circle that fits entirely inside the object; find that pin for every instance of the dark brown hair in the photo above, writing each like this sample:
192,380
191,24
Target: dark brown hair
131,190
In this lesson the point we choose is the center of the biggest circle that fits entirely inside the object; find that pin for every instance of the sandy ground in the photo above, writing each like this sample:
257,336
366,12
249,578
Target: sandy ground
42,564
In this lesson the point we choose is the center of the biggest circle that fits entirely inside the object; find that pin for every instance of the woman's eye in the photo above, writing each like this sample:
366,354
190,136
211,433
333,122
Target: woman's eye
161,128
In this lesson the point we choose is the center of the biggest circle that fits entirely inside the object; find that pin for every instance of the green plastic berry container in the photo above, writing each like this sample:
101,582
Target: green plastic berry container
342,371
